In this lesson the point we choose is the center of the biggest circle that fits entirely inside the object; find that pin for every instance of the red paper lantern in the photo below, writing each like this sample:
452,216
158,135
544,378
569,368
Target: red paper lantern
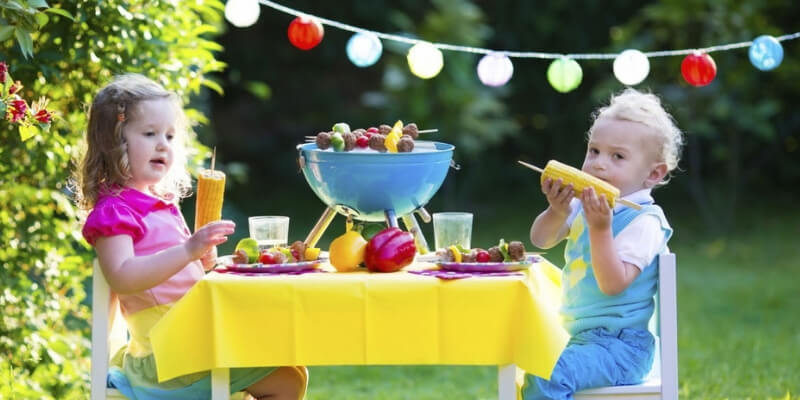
698,69
305,32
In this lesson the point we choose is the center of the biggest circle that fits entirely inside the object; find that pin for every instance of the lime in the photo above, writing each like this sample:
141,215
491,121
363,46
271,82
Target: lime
249,246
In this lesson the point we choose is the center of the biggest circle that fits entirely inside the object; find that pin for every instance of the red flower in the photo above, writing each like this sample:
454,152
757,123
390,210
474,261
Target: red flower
43,116
17,110
15,87
3,72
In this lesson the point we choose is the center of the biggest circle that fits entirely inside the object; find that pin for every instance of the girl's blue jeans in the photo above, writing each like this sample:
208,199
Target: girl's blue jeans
593,358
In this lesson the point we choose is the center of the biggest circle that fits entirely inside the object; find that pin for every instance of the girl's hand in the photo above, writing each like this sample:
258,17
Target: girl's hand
209,259
596,209
558,195
207,237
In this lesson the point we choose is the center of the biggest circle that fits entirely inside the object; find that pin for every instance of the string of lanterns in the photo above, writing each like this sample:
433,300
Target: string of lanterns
495,68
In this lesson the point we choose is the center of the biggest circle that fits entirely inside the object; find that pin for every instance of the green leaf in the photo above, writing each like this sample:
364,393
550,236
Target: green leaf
6,32
38,4
25,42
213,86
27,131
61,12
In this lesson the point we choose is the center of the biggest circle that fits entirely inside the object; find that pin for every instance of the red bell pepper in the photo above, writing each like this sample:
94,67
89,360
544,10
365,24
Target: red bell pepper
390,250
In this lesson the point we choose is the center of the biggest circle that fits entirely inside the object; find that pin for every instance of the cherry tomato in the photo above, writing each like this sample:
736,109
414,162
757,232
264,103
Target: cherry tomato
482,256
267,257
372,129
362,141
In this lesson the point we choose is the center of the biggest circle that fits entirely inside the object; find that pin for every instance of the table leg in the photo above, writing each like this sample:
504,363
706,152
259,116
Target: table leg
506,382
220,384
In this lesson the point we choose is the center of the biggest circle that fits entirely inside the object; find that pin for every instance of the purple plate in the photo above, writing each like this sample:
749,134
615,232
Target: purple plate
273,268
490,266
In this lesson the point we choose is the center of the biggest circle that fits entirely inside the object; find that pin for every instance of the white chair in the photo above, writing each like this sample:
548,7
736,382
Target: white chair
108,334
662,382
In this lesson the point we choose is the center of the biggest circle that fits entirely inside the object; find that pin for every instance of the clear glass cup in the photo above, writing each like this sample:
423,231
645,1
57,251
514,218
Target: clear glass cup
269,230
452,228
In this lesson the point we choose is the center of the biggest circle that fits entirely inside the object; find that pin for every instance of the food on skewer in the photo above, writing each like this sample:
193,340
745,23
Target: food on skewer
210,194
580,180
503,252
385,138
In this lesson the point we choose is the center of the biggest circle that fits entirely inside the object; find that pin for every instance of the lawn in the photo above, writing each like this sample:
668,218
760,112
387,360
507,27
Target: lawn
739,335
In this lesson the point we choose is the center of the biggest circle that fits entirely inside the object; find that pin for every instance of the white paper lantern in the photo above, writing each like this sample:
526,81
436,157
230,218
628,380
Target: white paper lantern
242,13
425,60
495,69
631,67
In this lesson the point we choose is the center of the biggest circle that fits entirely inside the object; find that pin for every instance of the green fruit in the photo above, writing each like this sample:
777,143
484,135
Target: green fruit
371,229
249,246
341,127
337,141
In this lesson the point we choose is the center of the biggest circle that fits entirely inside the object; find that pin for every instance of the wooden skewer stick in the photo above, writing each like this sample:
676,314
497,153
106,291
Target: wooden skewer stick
624,202
428,131
213,158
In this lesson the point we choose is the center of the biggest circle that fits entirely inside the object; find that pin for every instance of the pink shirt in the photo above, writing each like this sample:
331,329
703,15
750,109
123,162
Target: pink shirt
154,225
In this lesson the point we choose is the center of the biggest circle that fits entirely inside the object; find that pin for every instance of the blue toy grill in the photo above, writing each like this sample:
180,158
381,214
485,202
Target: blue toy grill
370,186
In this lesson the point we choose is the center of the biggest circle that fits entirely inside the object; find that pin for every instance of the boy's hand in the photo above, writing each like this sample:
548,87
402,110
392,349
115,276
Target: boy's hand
558,195
207,237
596,209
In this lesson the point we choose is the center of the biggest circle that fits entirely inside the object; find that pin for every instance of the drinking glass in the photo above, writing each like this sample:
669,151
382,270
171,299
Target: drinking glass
269,230
452,228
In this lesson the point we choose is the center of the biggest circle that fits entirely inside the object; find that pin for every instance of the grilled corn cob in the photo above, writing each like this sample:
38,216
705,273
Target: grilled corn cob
210,193
580,180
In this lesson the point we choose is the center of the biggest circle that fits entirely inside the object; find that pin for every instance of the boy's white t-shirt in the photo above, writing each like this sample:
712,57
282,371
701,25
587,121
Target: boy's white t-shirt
639,242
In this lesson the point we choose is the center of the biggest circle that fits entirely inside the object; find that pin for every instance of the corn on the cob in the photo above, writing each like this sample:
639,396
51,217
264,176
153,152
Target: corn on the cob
580,180
210,193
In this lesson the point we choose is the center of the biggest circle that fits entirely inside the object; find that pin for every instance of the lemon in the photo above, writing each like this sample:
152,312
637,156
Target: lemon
249,246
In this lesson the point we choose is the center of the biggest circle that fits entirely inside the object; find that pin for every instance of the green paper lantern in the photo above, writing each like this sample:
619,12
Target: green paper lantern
564,74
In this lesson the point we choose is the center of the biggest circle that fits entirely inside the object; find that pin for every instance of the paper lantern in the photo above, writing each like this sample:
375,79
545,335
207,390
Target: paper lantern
305,32
698,69
425,60
564,74
242,13
631,67
495,69
364,49
766,53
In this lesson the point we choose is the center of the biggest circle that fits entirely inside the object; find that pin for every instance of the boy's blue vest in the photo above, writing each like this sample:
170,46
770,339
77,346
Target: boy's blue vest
584,306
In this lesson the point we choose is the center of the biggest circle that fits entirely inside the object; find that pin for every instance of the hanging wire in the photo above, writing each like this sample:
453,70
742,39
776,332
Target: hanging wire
512,54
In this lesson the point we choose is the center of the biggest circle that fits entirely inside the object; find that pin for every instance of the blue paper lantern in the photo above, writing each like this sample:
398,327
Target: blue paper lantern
364,49
766,53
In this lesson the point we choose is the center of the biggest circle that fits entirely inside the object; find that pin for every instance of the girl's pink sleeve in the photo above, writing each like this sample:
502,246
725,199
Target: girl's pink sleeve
111,220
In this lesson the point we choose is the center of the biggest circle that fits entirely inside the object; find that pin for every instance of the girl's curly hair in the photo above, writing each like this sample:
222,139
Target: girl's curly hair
104,164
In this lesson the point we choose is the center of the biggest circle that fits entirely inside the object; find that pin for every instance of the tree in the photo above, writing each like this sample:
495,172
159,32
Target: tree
66,52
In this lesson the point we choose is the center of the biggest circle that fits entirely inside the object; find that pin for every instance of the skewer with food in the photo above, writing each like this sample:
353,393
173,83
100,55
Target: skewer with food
503,252
384,138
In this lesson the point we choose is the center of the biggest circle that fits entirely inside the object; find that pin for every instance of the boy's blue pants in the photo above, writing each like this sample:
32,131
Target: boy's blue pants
592,358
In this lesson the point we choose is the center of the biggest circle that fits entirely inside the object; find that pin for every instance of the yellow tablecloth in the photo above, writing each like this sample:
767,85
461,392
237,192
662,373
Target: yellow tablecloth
362,318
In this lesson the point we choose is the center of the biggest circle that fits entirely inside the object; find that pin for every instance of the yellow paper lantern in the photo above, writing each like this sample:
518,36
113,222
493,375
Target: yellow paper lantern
425,60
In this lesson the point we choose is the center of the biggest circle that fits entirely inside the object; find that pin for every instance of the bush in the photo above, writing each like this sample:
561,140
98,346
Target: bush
66,53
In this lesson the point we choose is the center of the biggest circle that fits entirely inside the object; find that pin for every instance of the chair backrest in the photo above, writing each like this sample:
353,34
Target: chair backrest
668,325
108,332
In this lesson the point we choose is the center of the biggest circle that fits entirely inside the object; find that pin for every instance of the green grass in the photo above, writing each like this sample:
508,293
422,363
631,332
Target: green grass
739,334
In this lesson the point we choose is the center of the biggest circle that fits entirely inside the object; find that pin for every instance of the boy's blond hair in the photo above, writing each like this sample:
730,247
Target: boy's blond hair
646,108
